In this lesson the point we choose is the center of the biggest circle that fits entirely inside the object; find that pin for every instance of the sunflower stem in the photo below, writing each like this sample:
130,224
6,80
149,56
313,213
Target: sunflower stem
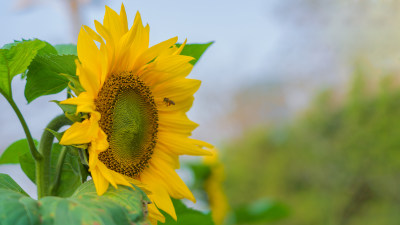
43,166
35,154
60,163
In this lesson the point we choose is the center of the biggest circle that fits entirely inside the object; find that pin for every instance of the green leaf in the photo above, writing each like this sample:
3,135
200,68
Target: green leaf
71,109
73,173
117,206
56,134
6,182
14,151
16,207
47,49
43,77
16,60
27,164
9,45
195,50
70,112
5,78
263,210
66,49
187,215
74,83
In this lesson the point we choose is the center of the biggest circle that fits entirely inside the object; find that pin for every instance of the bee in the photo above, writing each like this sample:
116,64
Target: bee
168,102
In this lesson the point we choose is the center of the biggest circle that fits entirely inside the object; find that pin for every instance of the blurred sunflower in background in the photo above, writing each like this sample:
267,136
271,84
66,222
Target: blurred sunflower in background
134,104
213,185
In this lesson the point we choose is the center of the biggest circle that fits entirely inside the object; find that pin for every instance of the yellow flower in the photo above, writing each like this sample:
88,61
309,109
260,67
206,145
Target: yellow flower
215,191
136,99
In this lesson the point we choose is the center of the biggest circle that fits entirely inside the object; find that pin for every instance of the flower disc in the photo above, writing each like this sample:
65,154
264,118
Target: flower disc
129,118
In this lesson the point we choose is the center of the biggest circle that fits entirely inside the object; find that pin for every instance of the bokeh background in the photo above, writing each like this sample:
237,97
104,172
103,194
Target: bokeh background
301,97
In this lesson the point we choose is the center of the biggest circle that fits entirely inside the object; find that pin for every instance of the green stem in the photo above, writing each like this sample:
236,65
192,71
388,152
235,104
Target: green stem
83,157
43,166
60,163
35,154
68,92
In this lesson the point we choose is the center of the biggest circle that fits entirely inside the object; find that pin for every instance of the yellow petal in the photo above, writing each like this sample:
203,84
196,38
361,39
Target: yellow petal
167,68
100,143
203,144
93,158
177,88
88,52
90,81
179,50
80,133
154,51
93,34
159,195
105,33
140,43
99,181
130,46
106,173
84,103
180,144
112,23
176,122
154,214
113,177
173,183
171,159
123,18
126,57
120,179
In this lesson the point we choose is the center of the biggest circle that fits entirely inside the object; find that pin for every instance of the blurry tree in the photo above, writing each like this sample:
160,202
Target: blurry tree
339,164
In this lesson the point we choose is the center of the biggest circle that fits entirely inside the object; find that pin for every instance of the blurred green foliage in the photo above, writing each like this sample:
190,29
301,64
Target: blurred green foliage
263,210
187,216
338,164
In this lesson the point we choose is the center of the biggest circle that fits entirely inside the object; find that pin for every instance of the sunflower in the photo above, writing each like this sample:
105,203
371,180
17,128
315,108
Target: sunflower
135,103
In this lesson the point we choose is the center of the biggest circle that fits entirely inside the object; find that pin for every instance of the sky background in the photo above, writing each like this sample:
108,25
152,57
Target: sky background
268,60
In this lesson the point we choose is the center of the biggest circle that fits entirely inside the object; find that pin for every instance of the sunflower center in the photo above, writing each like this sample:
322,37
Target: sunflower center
129,118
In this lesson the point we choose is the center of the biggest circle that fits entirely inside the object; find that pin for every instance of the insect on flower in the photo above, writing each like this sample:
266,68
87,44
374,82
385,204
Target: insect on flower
168,102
